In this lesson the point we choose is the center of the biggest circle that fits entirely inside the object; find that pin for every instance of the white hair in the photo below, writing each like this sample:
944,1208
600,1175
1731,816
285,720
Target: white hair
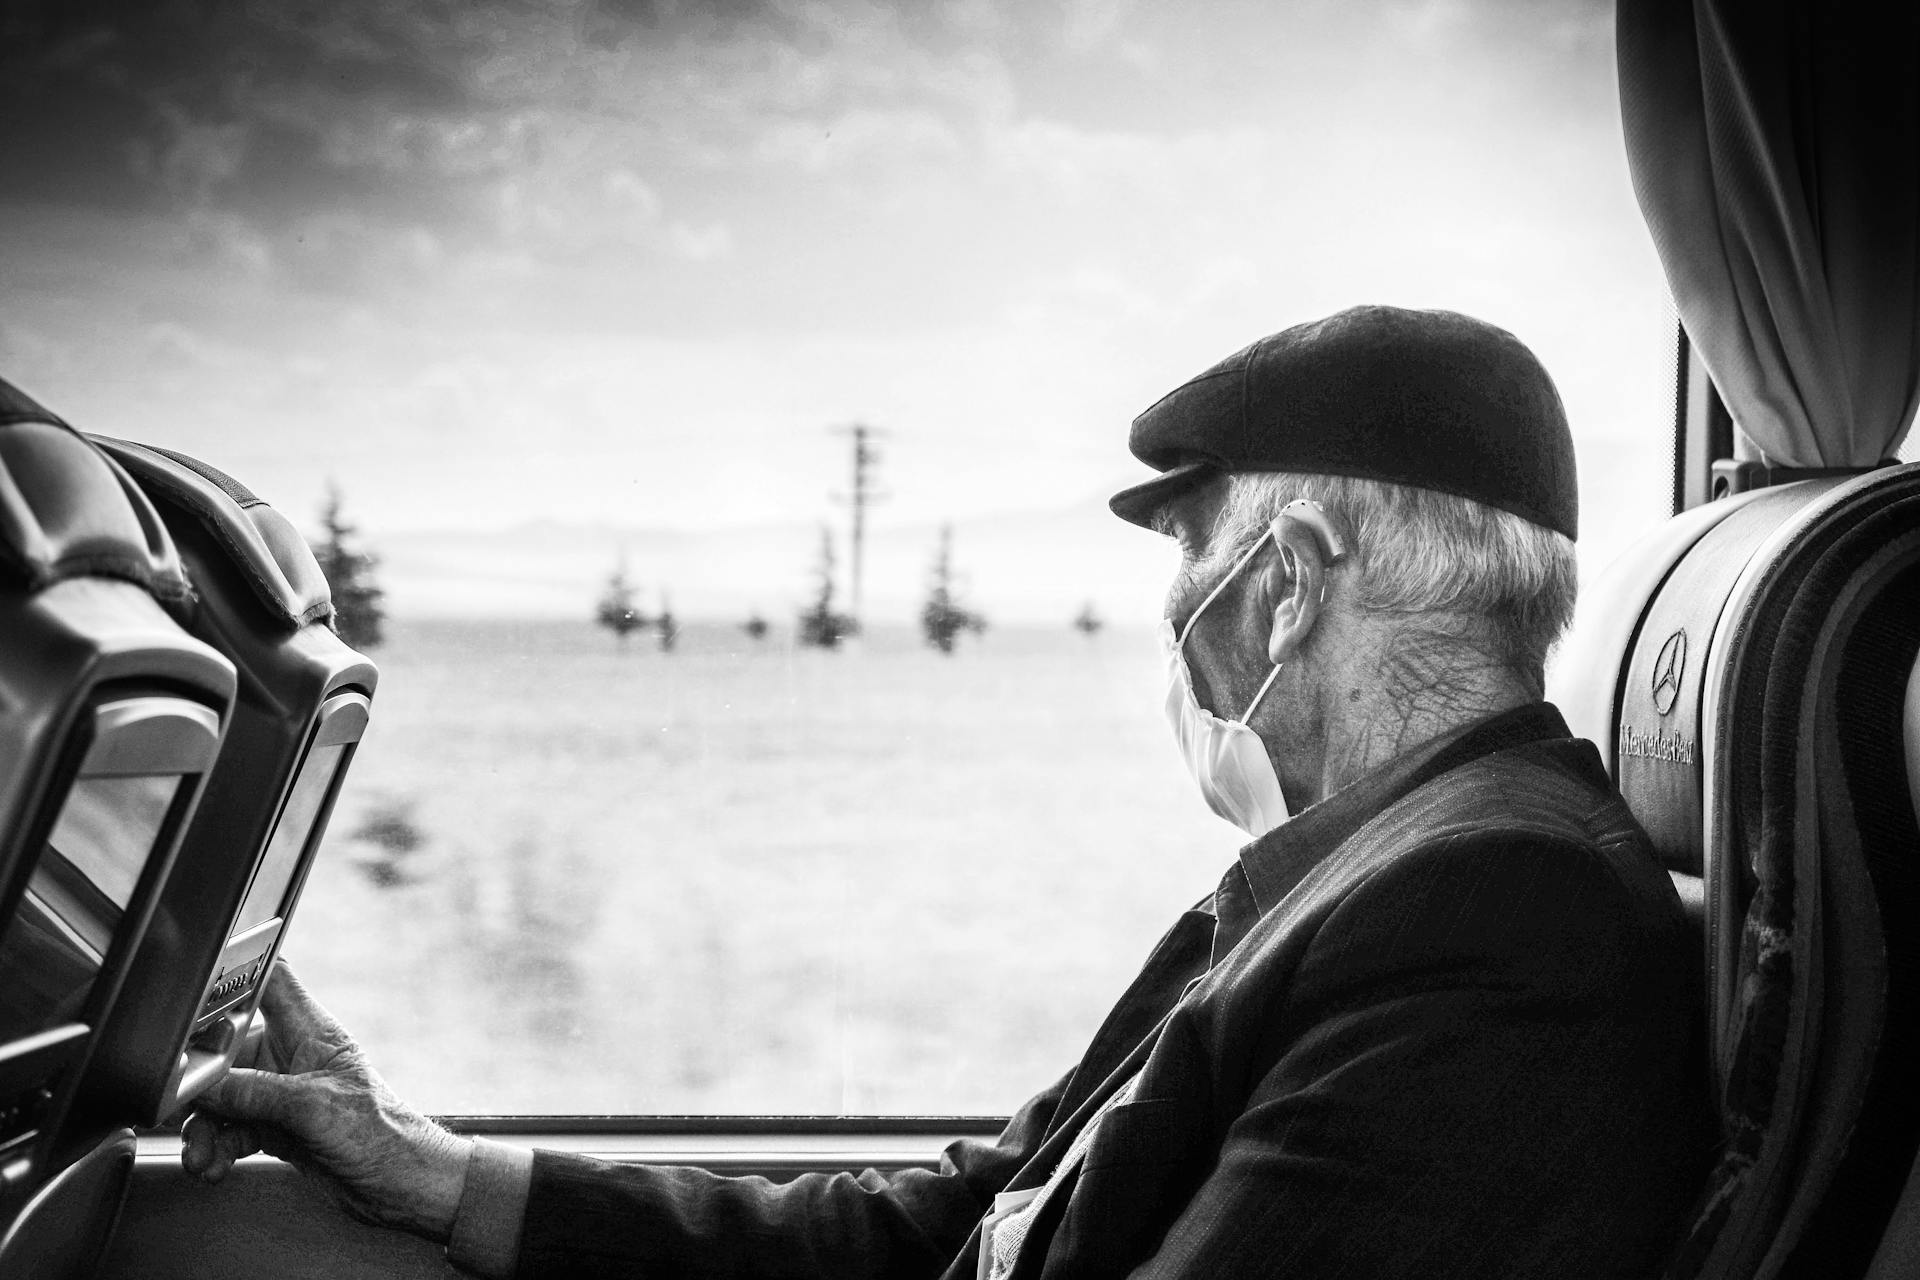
1456,566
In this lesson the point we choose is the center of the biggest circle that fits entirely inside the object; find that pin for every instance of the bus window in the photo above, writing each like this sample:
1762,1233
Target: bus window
573,312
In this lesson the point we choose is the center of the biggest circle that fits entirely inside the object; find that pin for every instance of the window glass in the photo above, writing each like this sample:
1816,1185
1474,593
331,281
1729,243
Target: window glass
58,938
566,314
750,878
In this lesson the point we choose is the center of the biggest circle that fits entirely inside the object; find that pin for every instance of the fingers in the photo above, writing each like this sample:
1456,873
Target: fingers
295,1017
209,1146
248,1111
245,1095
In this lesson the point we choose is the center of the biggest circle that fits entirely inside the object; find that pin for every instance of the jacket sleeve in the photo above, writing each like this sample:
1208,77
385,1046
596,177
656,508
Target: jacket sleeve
591,1218
1479,1070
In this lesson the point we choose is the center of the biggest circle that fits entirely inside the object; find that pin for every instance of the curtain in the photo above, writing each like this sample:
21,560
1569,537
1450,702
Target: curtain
1775,151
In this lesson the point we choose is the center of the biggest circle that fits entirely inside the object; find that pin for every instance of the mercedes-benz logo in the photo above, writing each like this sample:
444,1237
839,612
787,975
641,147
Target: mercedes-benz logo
1668,671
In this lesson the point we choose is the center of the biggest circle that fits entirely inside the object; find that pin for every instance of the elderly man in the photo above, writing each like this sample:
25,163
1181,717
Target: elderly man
1435,1021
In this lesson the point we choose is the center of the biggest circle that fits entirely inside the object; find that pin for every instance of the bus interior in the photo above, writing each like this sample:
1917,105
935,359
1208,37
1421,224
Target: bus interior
180,715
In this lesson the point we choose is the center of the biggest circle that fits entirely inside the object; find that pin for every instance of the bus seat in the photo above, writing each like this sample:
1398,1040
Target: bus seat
1584,675
110,717
63,1230
1587,678
1899,1252
262,601
1756,728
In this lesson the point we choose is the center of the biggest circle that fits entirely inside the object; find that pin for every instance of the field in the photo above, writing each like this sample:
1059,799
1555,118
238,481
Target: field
742,878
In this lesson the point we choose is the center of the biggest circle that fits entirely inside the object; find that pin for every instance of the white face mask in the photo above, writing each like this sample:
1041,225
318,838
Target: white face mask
1226,758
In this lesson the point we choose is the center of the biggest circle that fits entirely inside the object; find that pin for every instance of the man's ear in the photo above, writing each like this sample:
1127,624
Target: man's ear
1295,586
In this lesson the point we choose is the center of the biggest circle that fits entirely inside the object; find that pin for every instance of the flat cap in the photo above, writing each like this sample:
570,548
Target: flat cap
1430,399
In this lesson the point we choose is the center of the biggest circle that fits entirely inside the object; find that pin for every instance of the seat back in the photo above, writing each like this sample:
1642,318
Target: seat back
1752,726
62,1233
262,601
1899,1252
110,717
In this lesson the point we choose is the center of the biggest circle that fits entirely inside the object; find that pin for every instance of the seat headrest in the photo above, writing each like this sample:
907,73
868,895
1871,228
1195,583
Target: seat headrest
261,543
68,511
1661,742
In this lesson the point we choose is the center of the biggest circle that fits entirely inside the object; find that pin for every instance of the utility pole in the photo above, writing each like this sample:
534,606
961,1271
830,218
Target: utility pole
865,455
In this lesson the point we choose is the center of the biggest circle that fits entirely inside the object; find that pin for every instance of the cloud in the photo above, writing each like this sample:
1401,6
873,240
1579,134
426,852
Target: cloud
700,244
200,157
980,19
169,343
1091,24
888,138
1083,299
27,354
1195,166
1428,20
625,188
370,136
1478,23
545,219
225,241
351,255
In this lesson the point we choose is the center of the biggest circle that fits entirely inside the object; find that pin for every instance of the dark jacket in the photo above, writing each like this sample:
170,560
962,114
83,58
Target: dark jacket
1443,1023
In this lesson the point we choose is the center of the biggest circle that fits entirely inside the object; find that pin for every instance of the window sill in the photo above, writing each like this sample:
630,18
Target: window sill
772,1146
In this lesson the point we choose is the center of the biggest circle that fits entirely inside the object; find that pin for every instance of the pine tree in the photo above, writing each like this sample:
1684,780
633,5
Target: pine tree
1087,622
359,618
820,626
615,609
667,625
943,617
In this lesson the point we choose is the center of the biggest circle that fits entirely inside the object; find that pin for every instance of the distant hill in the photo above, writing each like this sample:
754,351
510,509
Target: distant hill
1029,567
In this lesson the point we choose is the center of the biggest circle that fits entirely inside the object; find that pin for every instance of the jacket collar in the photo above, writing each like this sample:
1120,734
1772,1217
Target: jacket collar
1272,865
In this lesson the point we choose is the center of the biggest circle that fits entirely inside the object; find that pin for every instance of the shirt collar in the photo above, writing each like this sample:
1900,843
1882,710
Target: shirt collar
1272,865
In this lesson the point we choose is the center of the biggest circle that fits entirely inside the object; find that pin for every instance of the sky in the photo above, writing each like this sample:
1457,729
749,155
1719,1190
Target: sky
604,276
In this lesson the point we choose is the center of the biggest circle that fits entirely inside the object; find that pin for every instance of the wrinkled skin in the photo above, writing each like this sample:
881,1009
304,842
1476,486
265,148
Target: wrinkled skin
312,1099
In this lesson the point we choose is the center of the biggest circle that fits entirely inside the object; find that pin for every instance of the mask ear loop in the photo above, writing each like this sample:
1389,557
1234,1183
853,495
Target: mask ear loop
1264,686
1312,518
1307,512
1220,586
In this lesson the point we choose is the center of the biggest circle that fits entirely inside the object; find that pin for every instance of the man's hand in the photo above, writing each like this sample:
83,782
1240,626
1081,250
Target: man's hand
313,1100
